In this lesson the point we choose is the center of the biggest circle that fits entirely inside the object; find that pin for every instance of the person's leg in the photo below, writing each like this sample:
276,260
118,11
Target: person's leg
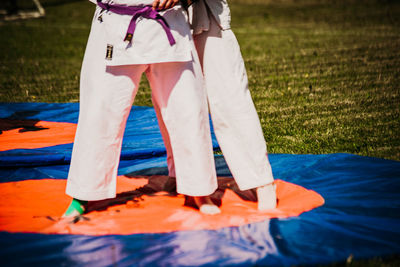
106,96
205,203
182,107
235,120
105,107
165,136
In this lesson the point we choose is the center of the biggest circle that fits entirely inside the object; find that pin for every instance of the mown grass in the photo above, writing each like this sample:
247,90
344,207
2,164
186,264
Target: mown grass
324,75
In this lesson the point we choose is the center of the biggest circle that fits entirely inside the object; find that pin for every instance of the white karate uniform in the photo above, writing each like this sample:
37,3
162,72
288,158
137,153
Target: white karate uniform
235,120
107,91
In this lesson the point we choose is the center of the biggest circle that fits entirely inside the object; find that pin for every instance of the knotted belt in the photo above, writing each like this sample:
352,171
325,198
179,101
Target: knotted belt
138,11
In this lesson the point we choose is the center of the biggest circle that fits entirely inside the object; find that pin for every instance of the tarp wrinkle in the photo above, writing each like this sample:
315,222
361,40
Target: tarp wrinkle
360,216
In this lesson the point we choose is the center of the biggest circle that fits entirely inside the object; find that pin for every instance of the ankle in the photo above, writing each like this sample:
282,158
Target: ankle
266,196
76,207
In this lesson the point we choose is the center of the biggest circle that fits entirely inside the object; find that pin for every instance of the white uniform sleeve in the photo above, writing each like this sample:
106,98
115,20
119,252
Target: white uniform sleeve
198,17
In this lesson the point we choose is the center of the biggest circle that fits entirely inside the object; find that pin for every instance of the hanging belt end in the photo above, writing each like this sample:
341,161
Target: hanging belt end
128,37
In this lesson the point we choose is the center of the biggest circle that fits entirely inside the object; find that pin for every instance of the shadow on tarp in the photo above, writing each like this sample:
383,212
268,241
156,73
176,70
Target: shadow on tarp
22,125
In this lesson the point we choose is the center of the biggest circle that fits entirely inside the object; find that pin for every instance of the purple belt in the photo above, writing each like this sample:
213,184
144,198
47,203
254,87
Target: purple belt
138,11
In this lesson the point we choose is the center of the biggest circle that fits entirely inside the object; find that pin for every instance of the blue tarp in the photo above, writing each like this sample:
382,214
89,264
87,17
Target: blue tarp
142,142
360,217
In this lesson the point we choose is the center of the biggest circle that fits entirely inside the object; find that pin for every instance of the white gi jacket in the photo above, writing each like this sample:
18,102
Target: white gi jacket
148,36
199,19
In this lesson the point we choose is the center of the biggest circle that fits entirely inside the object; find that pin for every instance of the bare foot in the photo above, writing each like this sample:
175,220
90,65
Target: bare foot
266,197
206,206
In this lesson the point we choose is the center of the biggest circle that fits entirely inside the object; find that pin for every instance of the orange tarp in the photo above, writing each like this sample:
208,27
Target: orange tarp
36,206
34,134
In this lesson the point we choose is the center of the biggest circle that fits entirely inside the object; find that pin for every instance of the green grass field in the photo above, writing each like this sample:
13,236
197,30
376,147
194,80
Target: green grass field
324,75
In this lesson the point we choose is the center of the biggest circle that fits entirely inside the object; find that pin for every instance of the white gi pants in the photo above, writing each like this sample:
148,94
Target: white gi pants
235,120
106,97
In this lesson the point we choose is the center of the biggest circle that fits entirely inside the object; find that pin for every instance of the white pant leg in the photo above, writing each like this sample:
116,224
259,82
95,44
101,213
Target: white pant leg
235,120
106,96
165,136
178,91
